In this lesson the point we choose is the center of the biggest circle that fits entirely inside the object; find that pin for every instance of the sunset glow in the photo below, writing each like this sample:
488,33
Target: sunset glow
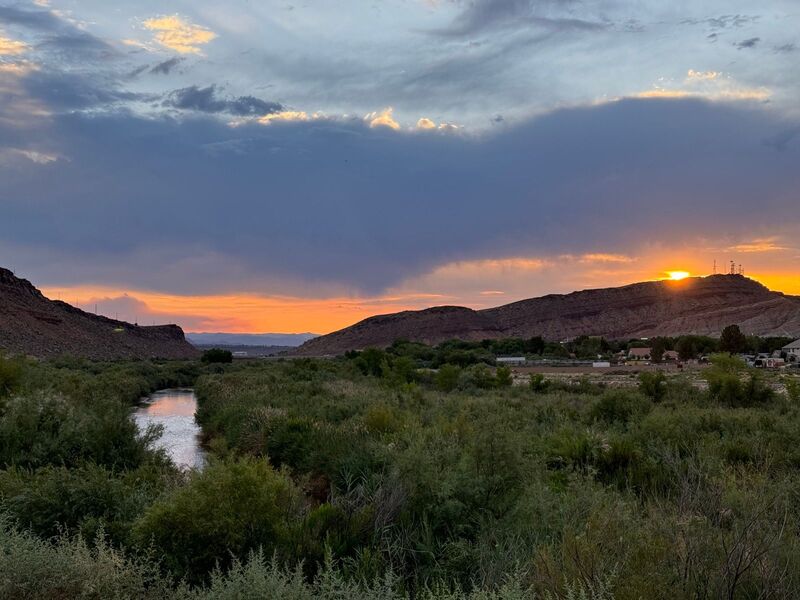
251,167
678,275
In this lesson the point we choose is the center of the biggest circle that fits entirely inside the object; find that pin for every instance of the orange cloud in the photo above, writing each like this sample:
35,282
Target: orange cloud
176,34
601,258
236,313
9,47
382,119
475,283
759,245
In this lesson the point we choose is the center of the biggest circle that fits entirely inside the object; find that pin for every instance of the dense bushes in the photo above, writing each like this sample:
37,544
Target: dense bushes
10,374
728,383
217,355
373,477
230,509
88,499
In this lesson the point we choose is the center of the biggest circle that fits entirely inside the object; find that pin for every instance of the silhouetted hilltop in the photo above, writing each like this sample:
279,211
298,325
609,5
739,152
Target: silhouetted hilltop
34,325
696,305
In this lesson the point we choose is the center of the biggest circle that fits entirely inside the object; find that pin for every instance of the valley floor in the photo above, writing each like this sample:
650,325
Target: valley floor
379,477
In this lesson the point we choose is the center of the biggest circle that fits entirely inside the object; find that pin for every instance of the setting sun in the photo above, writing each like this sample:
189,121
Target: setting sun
678,275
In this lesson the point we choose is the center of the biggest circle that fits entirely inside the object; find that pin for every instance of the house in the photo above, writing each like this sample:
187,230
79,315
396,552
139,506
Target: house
511,361
639,354
671,355
792,351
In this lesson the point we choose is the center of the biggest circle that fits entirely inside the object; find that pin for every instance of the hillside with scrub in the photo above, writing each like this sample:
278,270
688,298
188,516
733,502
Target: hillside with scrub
382,475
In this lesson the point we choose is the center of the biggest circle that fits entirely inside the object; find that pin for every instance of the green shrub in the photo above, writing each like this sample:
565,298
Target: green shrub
65,567
447,377
477,376
11,370
44,430
792,389
503,377
653,384
371,361
538,384
86,500
226,511
619,406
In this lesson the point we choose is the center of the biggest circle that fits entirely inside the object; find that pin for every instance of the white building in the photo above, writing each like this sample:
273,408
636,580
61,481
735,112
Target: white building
511,361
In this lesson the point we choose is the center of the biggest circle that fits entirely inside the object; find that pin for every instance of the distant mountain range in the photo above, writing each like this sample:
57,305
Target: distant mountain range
697,305
249,339
37,326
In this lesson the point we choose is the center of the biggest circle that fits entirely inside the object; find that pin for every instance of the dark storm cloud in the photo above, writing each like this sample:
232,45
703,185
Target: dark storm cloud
724,21
74,91
57,36
786,48
42,20
166,67
194,205
483,15
206,100
748,43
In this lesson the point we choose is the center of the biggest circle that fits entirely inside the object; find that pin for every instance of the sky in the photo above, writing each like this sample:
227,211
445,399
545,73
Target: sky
298,166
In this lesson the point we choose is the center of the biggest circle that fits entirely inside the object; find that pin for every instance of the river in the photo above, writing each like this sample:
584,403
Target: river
174,409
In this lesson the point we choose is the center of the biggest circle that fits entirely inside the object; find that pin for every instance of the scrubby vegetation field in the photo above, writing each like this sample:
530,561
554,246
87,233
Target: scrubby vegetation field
399,475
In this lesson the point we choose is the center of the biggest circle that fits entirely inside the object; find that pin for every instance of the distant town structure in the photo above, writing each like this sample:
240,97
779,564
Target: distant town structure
511,361
671,355
640,354
792,351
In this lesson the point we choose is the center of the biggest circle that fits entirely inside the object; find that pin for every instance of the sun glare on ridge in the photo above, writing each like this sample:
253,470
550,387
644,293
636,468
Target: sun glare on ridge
678,275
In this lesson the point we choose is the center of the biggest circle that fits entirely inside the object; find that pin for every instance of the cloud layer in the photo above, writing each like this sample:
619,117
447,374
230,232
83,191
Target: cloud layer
340,205
457,151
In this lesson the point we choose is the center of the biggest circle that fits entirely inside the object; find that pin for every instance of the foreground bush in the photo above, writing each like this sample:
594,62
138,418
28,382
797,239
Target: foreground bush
32,569
228,510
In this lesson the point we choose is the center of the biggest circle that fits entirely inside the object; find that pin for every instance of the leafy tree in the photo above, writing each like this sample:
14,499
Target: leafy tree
535,345
686,347
733,341
217,355
657,350
371,361
447,377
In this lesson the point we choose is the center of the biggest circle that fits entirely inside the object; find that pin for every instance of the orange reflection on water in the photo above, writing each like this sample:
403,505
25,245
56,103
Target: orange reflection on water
172,406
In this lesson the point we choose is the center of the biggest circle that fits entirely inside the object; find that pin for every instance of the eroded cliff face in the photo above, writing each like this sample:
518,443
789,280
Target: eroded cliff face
690,306
34,325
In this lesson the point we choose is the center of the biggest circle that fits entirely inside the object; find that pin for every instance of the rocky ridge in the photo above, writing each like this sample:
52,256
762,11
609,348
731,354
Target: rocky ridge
696,305
34,325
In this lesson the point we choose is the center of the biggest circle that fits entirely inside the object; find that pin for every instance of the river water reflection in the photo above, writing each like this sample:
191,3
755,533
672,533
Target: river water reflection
174,409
